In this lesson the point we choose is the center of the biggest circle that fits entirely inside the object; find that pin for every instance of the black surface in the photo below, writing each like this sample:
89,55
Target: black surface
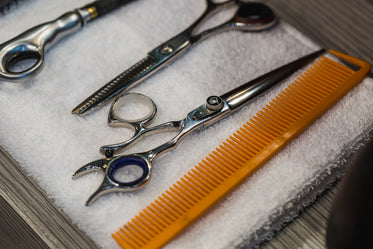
105,6
254,13
351,219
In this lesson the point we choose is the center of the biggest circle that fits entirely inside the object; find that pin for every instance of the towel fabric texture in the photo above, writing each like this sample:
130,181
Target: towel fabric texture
39,131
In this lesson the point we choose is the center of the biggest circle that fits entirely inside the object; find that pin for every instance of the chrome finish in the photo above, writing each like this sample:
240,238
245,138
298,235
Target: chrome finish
167,52
109,183
246,92
213,110
167,49
199,117
33,43
132,76
214,103
86,15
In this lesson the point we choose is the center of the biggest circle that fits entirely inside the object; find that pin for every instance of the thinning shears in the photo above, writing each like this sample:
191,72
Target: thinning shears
215,108
250,16
23,56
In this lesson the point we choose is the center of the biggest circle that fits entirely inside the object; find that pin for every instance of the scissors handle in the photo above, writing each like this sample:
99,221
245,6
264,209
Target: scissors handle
214,109
200,116
31,45
141,132
117,117
250,17
23,56
111,167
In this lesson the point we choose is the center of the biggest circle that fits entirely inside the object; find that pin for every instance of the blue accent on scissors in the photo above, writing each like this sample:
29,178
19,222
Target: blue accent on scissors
215,108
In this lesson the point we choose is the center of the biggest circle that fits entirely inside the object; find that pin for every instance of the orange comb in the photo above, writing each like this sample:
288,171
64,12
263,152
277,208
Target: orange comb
301,103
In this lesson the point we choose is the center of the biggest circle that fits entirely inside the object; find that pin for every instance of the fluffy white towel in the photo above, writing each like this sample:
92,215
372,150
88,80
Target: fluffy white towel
39,131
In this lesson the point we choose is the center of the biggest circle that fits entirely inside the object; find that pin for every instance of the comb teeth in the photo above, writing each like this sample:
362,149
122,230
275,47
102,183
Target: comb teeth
240,155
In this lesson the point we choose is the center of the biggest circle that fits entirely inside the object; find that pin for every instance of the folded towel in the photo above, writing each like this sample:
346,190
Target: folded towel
39,131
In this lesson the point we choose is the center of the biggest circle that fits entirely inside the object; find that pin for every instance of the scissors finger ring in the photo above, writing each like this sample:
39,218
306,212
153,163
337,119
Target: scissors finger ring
23,56
117,117
215,108
249,17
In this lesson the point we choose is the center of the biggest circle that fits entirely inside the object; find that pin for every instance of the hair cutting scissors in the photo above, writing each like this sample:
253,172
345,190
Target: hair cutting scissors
249,17
29,47
215,108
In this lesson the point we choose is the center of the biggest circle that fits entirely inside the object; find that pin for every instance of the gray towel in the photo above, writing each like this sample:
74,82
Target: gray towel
39,131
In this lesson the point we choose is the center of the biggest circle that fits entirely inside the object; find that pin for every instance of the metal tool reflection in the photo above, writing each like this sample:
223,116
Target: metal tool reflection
215,108
30,46
249,17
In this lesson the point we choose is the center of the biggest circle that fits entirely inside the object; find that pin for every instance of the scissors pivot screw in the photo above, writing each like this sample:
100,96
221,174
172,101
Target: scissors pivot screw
249,17
109,153
213,110
214,103
166,49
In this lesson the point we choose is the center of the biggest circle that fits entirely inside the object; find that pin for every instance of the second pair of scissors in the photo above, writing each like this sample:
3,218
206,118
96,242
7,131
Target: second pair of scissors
215,108
249,17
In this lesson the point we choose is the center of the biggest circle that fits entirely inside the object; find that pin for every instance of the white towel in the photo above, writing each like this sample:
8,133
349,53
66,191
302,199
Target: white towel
39,131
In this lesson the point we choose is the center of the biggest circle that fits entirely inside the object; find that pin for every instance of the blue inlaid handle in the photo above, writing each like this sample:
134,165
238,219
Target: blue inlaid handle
127,161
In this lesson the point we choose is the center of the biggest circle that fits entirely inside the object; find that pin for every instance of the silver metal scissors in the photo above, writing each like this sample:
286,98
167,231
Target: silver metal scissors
215,108
29,47
249,17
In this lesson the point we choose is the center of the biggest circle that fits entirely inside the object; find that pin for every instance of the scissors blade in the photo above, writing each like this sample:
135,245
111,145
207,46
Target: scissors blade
156,59
248,91
126,80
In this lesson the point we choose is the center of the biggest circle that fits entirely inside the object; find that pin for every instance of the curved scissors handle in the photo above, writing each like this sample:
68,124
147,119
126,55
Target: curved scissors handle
118,108
211,8
124,102
214,109
110,167
139,125
250,16
29,47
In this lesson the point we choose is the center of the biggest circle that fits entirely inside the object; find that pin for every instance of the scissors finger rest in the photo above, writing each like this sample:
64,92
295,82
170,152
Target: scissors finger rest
125,112
215,108
136,168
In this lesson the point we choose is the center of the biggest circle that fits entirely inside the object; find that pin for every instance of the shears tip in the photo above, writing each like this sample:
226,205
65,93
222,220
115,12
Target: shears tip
89,104
78,111
85,107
